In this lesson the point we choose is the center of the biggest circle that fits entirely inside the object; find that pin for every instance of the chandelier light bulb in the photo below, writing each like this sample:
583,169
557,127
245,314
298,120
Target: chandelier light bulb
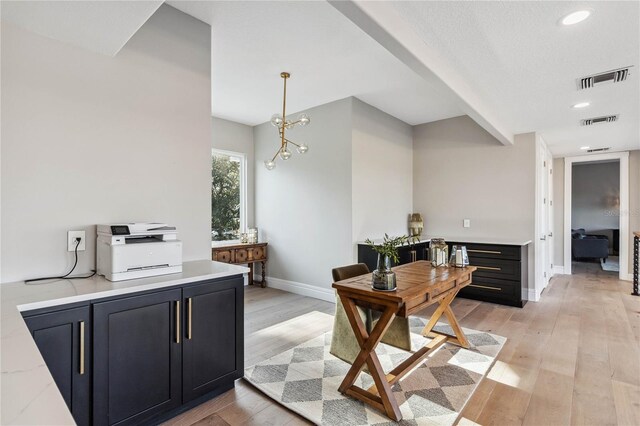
270,165
302,148
303,119
285,154
276,120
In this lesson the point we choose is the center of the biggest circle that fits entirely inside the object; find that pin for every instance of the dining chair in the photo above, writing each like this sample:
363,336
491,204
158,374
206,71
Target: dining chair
343,342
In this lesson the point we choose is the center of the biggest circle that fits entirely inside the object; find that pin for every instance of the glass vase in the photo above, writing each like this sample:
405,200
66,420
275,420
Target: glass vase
383,278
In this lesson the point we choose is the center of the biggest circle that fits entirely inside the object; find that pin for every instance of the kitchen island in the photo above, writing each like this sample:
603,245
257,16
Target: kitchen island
29,394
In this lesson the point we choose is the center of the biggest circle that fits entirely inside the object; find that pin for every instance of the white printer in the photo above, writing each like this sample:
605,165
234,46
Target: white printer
137,250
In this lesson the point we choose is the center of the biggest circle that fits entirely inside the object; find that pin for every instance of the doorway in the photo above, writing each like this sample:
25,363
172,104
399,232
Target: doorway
595,221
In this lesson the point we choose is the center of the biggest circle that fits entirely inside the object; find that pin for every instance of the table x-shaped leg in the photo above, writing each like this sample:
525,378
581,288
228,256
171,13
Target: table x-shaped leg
379,395
384,400
444,308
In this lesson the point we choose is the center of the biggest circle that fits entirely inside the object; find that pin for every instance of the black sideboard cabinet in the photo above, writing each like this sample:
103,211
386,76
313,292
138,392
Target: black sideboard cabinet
501,277
406,254
144,357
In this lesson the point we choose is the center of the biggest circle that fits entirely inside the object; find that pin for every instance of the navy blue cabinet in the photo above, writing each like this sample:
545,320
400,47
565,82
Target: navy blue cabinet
144,357
214,327
137,357
64,340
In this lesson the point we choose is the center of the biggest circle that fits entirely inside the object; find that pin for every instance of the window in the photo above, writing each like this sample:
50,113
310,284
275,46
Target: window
228,195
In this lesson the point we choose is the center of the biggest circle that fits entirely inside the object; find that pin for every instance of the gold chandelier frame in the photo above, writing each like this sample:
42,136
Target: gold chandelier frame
283,124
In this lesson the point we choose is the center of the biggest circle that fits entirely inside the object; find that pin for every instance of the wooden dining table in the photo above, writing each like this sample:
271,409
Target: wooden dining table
419,285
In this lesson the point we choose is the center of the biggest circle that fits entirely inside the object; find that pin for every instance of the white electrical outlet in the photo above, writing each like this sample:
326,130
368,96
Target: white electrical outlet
71,240
466,223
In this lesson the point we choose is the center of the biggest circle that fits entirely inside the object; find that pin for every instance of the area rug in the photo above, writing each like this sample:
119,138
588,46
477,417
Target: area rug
305,379
612,264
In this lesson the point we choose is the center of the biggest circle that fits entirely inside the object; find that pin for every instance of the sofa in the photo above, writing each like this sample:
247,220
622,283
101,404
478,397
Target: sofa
585,246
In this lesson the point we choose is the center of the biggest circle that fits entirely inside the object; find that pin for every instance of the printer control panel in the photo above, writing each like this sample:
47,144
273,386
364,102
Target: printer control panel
120,230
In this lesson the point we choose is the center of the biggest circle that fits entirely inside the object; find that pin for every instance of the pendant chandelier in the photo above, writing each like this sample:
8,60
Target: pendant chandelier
281,122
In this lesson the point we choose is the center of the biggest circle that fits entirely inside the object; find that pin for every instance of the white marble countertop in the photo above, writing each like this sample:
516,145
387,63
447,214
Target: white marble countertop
470,240
28,394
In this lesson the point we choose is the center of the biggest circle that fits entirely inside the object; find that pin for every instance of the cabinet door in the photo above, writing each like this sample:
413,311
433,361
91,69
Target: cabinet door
213,350
367,256
64,340
137,357
412,253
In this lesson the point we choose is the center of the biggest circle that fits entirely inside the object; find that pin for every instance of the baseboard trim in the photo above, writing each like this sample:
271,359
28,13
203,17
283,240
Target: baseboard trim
558,269
628,277
531,295
326,294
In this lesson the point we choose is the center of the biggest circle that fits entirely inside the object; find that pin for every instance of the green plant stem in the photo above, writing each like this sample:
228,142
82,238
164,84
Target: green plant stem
389,246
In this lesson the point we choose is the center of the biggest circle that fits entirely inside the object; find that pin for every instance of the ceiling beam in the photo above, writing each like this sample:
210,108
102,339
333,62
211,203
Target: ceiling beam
383,23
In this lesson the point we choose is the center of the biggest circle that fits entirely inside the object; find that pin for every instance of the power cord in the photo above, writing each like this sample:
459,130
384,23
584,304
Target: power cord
75,251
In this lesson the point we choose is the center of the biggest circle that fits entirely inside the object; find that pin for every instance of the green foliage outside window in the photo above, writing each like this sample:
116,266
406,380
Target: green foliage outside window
225,198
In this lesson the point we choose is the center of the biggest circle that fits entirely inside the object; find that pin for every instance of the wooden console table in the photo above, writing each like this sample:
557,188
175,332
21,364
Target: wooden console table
243,253
419,285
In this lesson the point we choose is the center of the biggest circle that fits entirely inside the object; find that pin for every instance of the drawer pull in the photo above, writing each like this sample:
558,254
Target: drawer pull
491,268
189,312
81,347
485,286
484,251
177,321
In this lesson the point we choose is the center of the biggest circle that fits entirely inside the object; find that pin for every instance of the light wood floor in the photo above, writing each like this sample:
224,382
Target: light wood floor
572,358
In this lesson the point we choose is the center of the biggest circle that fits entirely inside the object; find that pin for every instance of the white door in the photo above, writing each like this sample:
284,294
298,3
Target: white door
550,235
543,262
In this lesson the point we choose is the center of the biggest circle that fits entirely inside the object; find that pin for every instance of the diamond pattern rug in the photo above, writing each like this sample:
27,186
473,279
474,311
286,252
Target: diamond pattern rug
305,379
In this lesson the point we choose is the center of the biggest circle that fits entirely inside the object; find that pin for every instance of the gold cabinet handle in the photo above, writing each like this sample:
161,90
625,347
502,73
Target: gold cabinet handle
189,313
81,347
483,251
485,286
491,268
177,321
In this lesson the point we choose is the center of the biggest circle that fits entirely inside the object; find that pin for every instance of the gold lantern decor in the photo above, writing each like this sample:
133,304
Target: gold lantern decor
438,252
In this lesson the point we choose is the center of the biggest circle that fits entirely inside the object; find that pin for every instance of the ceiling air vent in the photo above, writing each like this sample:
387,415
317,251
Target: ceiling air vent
597,120
598,149
614,76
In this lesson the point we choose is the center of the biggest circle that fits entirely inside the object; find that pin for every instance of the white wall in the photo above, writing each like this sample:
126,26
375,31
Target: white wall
231,136
462,172
594,187
303,206
90,139
312,208
382,173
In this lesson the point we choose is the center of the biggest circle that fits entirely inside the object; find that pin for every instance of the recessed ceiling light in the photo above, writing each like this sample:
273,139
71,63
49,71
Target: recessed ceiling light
581,105
575,17
584,148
